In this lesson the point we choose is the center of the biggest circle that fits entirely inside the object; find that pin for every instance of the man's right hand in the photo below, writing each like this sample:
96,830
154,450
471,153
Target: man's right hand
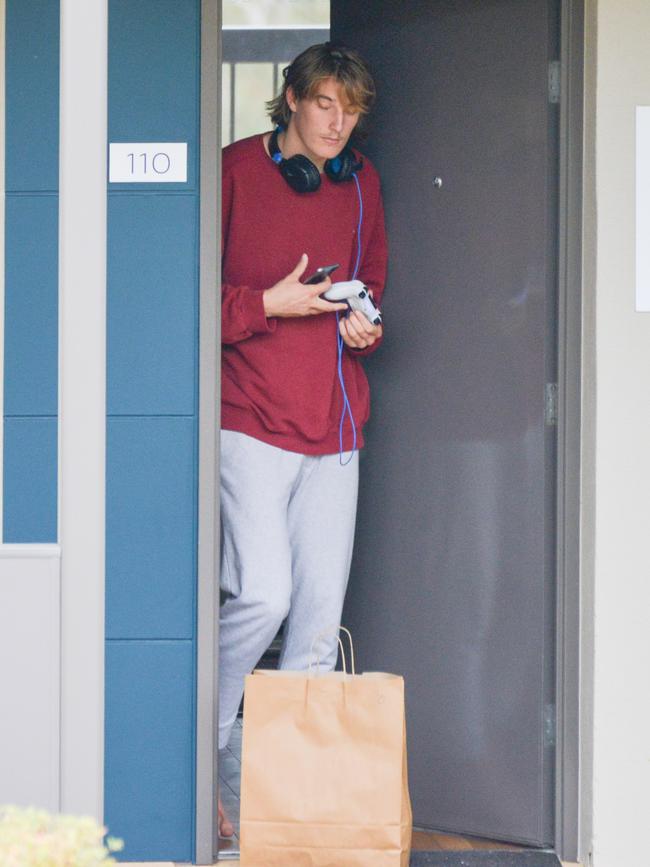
290,297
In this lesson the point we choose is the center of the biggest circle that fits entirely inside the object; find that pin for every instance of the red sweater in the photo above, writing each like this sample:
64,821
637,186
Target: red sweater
280,382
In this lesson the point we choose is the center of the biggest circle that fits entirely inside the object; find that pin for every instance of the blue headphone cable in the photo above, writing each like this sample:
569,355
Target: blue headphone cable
347,409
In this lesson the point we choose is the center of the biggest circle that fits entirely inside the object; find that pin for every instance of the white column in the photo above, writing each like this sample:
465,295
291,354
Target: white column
82,399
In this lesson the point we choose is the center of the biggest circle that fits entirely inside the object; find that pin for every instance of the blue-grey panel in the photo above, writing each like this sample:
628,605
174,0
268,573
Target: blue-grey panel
30,467
31,305
149,748
152,304
32,95
150,520
153,76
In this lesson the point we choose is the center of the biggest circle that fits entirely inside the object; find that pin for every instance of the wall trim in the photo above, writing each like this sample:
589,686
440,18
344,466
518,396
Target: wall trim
36,551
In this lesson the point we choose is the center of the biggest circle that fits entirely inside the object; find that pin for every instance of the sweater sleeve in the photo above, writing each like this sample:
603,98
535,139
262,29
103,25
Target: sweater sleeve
242,308
372,269
242,314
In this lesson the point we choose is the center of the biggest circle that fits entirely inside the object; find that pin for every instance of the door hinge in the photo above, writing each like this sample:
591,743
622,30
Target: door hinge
550,403
554,81
549,725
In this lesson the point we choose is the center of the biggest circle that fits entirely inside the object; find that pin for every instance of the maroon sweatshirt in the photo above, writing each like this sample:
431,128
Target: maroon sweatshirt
280,382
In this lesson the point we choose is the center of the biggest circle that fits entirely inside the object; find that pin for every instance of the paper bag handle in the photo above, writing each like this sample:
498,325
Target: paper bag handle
329,631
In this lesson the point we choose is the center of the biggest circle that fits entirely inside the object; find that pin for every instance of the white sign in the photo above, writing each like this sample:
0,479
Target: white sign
147,162
643,208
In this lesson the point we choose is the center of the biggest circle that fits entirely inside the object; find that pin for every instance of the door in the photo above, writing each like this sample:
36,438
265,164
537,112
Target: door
452,582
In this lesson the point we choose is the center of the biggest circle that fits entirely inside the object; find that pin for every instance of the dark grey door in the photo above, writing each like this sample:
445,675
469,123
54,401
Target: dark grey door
453,575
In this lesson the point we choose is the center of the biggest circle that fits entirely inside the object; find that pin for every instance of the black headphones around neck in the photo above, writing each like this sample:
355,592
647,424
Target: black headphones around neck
303,176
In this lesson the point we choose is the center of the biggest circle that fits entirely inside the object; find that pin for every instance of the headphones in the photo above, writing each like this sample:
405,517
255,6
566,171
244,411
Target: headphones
303,176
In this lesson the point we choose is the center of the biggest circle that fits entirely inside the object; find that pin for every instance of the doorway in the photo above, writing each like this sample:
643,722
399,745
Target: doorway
453,580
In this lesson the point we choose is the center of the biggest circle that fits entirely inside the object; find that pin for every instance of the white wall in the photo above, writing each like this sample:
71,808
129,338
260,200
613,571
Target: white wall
30,675
621,772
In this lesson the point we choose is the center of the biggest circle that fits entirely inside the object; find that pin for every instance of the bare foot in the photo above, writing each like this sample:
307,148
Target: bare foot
226,828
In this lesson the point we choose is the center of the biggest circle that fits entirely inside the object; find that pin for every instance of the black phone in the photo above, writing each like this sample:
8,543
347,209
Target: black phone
319,275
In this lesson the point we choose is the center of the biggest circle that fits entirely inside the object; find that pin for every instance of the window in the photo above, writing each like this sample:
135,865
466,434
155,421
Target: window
260,37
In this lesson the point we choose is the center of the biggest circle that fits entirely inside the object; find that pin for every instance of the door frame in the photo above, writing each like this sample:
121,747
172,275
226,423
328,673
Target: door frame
207,596
572,727
572,795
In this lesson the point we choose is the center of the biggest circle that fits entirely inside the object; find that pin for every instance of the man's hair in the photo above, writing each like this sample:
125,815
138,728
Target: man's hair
326,60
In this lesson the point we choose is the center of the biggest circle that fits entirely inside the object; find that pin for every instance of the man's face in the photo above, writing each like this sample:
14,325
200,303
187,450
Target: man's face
322,125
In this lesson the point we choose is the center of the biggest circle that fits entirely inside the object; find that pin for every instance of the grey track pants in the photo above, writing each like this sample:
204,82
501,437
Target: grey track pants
287,534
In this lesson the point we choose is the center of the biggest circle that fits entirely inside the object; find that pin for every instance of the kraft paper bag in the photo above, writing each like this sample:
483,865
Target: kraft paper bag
324,776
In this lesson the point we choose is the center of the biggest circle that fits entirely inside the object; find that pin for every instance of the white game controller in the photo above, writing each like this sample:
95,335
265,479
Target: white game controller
357,297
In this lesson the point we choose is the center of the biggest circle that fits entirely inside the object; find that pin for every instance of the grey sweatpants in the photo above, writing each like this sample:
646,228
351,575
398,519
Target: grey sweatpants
287,534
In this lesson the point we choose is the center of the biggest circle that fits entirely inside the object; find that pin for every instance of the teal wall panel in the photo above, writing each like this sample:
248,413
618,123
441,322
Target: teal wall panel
150,501
154,77
32,95
152,380
31,305
152,303
29,480
149,724
31,265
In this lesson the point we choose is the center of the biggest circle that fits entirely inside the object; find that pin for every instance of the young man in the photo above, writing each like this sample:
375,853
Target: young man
297,197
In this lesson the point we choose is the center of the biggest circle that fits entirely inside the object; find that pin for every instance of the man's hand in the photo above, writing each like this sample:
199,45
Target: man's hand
290,297
357,331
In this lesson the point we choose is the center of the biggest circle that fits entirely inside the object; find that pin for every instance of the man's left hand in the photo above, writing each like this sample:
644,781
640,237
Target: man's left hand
357,331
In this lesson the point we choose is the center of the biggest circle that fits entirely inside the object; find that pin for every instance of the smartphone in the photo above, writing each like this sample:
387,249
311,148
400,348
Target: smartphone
319,275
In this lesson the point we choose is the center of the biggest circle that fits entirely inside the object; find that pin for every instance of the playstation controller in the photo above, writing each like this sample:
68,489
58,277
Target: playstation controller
357,297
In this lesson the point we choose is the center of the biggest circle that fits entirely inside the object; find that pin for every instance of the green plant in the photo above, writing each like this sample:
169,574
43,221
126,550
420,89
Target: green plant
36,838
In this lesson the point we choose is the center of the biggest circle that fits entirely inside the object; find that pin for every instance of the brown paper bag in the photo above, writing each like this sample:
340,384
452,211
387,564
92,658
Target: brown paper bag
324,775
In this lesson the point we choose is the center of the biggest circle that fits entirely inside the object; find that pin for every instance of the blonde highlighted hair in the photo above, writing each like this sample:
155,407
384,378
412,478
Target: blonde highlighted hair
316,63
